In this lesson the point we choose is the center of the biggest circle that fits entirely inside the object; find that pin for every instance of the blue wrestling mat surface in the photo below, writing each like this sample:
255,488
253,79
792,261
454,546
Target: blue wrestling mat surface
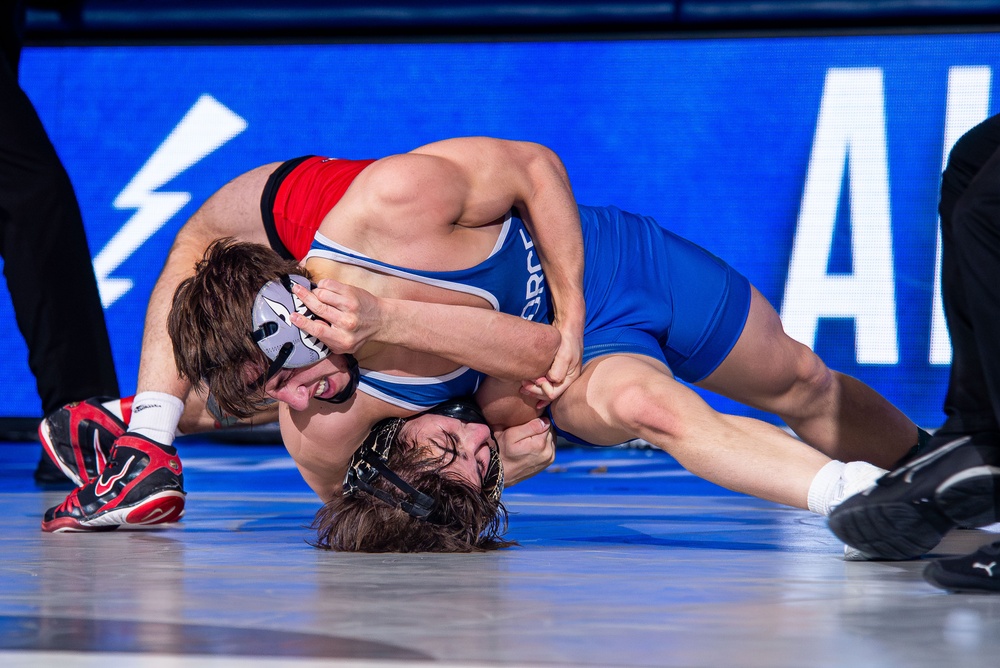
624,560
219,467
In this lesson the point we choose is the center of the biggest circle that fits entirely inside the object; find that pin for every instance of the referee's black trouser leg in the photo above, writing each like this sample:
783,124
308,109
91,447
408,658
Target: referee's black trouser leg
46,260
970,277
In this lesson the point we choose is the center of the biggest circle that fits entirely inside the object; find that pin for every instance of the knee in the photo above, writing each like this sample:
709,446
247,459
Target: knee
188,249
649,413
191,240
811,387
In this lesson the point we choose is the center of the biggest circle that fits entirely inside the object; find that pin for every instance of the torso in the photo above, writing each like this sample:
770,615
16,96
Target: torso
470,245
323,439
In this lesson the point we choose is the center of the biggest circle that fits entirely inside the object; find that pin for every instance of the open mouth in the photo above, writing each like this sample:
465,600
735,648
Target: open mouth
323,387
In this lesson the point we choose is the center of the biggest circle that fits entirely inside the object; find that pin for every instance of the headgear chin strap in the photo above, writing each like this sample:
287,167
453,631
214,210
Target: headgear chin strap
371,460
287,346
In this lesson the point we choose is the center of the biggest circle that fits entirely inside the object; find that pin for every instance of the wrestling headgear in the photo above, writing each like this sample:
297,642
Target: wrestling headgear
287,346
370,461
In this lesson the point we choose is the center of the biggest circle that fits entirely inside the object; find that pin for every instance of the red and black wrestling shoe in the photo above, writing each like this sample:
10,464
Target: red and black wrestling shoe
78,437
142,484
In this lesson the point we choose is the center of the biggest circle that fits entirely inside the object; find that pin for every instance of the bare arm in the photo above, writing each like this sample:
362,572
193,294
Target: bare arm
469,182
527,442
494,343
323,439
501,174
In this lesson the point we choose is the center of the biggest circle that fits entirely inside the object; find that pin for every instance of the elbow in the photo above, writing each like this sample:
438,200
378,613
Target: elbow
541,351
544,164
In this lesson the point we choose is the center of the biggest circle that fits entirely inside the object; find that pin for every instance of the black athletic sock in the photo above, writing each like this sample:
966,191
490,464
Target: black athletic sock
924,444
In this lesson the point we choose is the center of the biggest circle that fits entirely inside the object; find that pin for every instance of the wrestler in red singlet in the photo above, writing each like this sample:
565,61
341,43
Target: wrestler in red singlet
299,195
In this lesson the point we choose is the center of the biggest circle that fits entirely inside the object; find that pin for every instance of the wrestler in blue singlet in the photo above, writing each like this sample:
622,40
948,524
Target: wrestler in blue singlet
510,279
647,290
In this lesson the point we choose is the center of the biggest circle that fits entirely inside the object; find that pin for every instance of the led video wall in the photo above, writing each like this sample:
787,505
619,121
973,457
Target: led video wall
811,164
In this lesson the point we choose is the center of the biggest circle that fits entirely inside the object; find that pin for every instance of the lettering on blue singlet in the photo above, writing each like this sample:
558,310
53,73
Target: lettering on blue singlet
536,281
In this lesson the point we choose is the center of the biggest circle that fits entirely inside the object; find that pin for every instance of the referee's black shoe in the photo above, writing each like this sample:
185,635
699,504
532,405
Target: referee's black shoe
910,509
979,571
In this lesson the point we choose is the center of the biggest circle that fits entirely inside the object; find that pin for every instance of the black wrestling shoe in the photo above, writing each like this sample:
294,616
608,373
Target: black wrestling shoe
141,485
979,571
78,437
912,507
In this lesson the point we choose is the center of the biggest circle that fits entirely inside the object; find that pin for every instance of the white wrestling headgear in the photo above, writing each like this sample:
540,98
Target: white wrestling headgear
287,346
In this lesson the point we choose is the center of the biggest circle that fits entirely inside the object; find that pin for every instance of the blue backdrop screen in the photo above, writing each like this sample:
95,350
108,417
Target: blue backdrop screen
811,164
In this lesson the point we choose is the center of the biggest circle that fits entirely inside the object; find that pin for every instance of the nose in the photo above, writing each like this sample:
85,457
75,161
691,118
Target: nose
291,395
475,434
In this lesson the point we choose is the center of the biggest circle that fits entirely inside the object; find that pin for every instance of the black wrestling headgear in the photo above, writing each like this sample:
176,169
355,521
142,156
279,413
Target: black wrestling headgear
370,461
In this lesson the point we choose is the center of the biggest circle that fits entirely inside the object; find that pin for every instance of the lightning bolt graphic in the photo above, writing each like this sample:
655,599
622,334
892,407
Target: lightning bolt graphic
204,128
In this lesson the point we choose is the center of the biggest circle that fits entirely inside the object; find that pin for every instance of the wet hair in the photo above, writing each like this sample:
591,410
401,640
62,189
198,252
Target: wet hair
209,322
464,520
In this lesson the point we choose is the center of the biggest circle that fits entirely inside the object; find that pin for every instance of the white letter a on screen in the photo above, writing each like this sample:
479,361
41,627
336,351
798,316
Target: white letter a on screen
850,132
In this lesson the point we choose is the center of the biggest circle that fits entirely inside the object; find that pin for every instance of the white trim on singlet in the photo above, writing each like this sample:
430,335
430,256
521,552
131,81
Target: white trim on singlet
340,253
378,393
412,380
504,231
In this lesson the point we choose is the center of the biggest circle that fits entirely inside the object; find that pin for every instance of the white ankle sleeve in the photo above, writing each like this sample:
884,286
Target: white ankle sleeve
837,481
825,487
858,476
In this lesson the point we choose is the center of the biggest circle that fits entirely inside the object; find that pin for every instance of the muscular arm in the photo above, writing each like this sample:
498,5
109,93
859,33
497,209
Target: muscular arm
403,201
323,439
497,175
320,461
497,344
494,343
486,177
527,442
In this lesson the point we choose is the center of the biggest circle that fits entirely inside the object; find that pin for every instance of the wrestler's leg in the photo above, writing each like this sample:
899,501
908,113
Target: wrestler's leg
621,397
202,414
153,491
837,414
233,211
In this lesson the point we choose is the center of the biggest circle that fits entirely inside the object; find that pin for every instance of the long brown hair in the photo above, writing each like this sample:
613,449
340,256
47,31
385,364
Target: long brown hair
209,322
465,521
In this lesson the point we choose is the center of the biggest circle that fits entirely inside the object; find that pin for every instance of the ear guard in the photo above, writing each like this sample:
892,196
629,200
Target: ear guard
370,461
287,346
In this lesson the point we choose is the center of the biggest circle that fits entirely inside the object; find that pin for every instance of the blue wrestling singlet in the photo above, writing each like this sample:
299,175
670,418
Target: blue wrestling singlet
510,279
647,290
651,292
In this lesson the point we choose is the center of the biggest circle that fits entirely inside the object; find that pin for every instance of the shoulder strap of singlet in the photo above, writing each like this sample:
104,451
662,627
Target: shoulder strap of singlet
328,249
